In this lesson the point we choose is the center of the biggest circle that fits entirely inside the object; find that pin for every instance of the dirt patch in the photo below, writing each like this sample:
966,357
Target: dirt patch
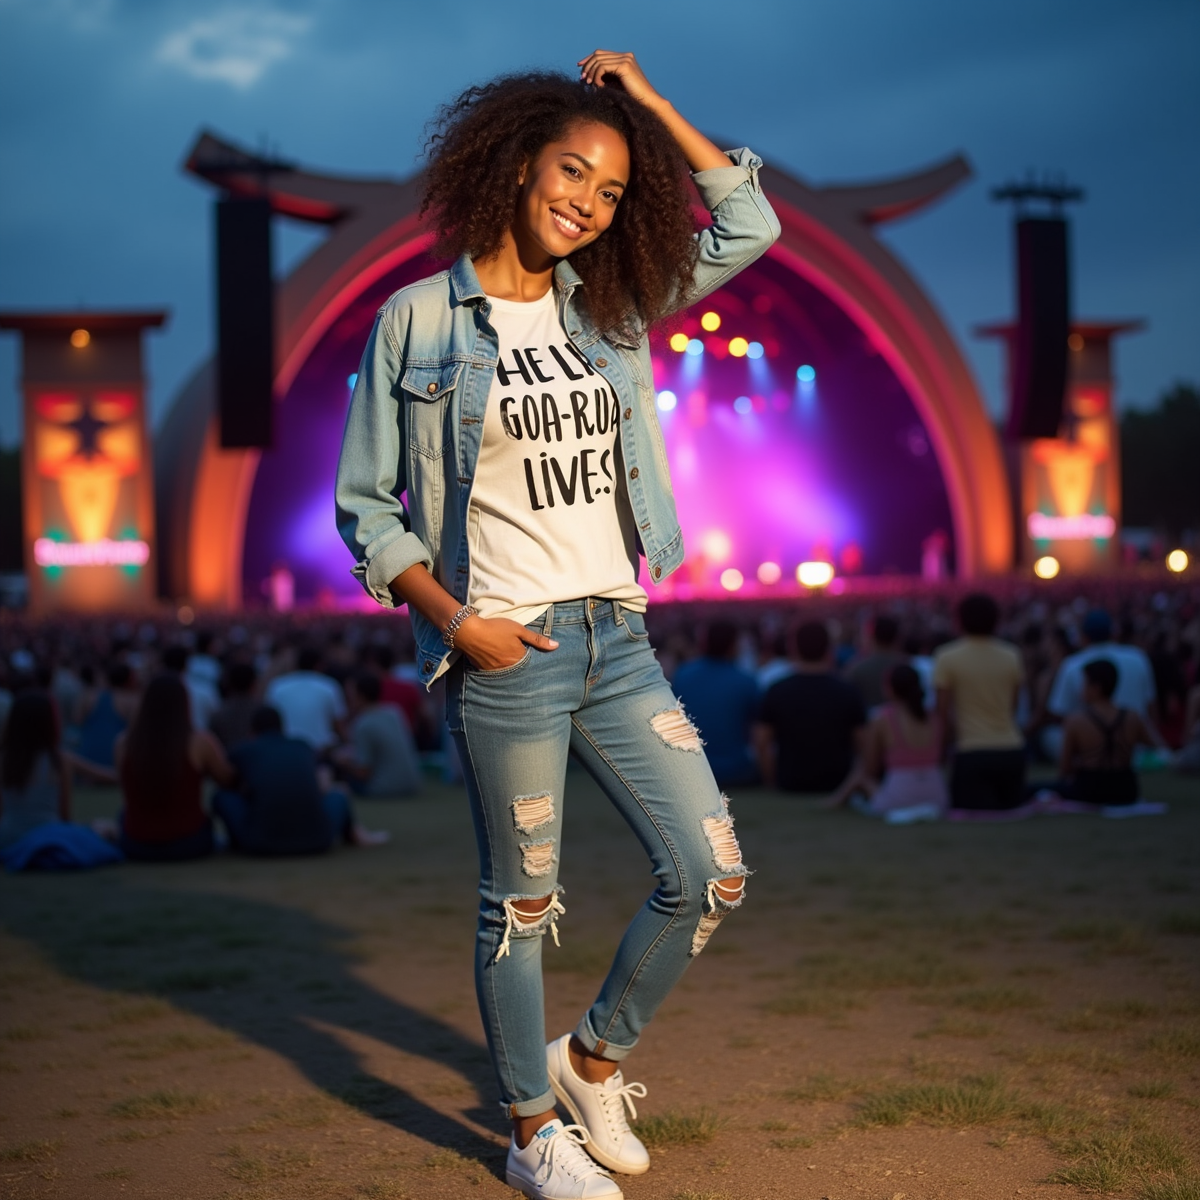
916,1013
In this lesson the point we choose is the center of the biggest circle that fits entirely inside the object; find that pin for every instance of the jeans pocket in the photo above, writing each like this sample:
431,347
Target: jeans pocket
635,626
478,672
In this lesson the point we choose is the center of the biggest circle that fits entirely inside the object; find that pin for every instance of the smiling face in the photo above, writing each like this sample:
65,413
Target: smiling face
570,191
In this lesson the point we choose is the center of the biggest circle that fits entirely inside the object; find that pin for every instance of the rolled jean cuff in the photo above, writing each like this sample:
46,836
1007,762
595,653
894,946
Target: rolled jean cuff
605,1050
530,1108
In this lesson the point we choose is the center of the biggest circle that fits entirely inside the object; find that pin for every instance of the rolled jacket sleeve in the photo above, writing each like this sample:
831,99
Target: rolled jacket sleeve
372,471
718,183
744,225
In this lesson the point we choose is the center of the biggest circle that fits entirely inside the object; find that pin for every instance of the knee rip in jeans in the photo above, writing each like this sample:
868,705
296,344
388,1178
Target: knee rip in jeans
675,730
521,923
722,893
537,858
532,812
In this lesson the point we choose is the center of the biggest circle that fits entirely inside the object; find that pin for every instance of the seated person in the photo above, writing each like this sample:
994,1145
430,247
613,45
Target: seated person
404,693
280,807
978,679
721,700
35,786
870,669
381,759
809,726
231,722
107,715
310,702
1098,743
902,775
161,762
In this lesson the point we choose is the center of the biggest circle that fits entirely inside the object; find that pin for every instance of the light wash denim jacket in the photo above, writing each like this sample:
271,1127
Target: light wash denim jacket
416,416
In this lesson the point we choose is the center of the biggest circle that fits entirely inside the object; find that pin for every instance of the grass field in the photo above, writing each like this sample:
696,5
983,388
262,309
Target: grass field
934,1011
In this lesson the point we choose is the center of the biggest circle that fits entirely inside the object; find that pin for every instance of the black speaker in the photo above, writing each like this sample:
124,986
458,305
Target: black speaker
245,322
1039,361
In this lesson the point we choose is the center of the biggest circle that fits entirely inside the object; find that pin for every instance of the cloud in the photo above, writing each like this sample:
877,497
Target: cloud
233,46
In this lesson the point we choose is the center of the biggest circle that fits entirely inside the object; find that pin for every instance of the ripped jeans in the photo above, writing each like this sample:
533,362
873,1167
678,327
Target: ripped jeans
602,696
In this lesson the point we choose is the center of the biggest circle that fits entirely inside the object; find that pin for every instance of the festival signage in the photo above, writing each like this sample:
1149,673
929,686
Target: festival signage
1070,485
87,479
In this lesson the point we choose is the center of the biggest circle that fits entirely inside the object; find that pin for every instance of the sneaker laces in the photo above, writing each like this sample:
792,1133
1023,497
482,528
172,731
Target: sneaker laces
563,1150
615,1100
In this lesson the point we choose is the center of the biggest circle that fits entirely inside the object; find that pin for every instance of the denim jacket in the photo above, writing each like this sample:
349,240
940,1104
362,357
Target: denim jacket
416,416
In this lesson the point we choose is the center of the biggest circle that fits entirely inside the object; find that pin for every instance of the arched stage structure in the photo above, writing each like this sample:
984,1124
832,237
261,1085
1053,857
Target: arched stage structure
851,374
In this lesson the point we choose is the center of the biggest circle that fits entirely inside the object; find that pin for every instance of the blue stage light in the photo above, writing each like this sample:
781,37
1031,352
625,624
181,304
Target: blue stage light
806,374
667,400
743,405
351,380
755,350
695,346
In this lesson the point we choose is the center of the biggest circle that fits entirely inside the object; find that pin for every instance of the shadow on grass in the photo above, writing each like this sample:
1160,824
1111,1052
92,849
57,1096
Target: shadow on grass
274,976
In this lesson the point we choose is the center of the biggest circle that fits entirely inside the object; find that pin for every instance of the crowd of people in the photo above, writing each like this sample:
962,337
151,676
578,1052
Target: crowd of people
257,732
925,707
218,737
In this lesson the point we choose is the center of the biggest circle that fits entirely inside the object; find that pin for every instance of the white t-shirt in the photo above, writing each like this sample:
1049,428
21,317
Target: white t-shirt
308,703
1135,679
549,518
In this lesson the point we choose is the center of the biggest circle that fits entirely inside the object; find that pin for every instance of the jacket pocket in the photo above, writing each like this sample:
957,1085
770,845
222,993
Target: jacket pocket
429,387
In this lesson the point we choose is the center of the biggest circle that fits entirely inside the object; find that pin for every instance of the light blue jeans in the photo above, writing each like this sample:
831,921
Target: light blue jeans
602,696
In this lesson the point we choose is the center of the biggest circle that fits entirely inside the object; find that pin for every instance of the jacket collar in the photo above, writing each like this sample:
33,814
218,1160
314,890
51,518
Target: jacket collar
566,277
466,285
463,280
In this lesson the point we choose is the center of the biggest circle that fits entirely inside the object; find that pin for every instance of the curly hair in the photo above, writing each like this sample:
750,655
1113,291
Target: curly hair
640,267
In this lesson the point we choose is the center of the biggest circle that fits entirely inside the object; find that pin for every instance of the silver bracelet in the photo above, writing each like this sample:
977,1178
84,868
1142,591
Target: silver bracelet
451,630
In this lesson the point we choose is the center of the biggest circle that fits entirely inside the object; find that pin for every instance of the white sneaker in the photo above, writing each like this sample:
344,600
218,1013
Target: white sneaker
553,1167
600,1109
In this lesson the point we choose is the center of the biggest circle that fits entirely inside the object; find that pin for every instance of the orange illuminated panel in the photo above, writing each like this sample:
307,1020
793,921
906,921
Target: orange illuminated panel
1070,499
89,497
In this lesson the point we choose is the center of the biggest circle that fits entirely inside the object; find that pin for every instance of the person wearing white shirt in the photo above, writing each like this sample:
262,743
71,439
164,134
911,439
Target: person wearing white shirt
1135,689
311,705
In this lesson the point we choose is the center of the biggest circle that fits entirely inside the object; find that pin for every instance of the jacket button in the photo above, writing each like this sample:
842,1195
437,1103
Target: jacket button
428,666
602,362
634,473
431,388
658,572
628,413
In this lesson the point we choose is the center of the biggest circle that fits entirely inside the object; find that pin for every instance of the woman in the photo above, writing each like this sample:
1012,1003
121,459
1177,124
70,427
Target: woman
904,745
35,785
162,762
1098,745
512,396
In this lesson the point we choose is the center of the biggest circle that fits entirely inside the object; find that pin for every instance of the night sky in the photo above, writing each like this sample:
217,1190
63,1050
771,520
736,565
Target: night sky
100,99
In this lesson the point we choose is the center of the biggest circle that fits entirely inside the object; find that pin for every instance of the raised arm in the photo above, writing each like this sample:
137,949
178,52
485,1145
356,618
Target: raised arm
612,68
744,224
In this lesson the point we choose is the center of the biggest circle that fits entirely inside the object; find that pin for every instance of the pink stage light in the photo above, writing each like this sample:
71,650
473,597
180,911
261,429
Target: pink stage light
1079,528
131,552
732,579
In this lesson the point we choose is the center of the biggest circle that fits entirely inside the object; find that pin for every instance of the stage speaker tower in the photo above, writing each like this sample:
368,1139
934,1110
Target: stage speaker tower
245,321
1043,325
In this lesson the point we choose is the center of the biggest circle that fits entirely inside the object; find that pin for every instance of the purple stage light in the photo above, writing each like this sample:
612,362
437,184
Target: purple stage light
752,453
